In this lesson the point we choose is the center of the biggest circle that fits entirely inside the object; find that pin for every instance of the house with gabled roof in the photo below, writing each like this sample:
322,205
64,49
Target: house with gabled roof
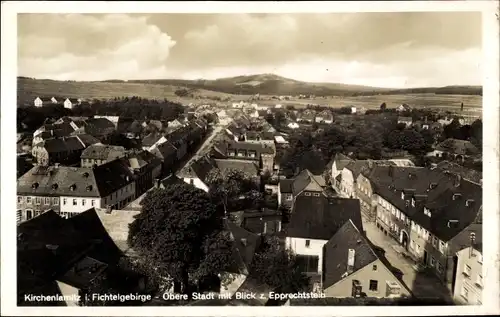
167,153
98,154
314,221
44,101
69,103
63,150
195,174
456,149
305,183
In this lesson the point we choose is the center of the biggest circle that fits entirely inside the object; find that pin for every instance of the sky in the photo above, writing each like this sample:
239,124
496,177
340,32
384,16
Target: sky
396,50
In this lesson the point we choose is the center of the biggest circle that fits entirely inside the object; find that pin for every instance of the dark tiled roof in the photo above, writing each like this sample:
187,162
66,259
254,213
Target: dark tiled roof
65,144
164,150
244,243
87,139
466,173
301,181
198,169
457,147
73,100
112,176
99,126
247,167
236,131
151,139
391,182
341,161
103,152
23,166
336,252
140,159
286,185
321,217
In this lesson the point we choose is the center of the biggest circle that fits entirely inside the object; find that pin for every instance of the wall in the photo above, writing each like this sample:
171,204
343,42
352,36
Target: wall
469,281
298,246
364,193
343,288
82,204
196,183
23,206
267,162
120,198
347,185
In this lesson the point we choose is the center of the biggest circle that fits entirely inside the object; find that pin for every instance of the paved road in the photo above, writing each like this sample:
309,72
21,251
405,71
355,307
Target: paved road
205,146
420,284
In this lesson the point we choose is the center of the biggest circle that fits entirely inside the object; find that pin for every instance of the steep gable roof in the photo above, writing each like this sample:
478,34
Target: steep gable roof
247,167
336,253
103,152
244,245
320,217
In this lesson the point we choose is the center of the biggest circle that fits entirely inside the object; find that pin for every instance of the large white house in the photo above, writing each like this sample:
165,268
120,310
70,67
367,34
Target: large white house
40,102
69,103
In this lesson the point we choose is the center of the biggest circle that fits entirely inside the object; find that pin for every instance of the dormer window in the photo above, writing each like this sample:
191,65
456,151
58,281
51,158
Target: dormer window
55,186
402,195
457,196
89,188
85,174
427,212
72,187
452,223
469,202
432,185
34,186
413,201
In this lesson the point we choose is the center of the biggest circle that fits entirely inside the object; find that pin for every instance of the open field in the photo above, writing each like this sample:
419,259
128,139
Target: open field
444,102
29,89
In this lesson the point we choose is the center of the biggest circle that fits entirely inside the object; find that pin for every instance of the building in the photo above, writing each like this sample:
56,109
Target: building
114,119
314,221
71,190
468,286
167,153
44,101
98,154
100,128
304,184
403,107
353,269
65,261
146,168
405,120
69,103
63,150
455,149
262,221
262,152
346,181
196,173
428,212
307,116
324,117
339,162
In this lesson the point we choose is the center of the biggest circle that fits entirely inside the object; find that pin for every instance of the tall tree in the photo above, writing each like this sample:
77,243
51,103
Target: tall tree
383,106
172,229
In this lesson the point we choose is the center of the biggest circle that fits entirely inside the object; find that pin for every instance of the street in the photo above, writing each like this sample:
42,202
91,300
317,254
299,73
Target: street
203,149
421,284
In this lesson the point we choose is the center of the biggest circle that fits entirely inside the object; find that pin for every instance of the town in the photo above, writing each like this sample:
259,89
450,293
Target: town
234,201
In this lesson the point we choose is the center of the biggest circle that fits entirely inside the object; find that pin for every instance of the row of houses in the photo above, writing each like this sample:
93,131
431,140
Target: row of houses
68,103
430,212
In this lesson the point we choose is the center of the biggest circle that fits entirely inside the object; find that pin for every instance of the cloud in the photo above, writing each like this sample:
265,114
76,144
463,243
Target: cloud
380,49
91,47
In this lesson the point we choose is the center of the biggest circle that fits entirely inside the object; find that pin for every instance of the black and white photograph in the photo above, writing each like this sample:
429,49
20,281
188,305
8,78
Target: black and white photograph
196,156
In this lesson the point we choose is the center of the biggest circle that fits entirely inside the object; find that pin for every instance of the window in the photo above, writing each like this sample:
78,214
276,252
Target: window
83,202
434,241
467,270
92,203
374,267
55,201
308,194
439,267
479,280
38,200
74,202
393,212
19,215
432,261
289,197
19,199
47,200
308,243
28,200
465,293
403,217
316,194
441,247
29,214
191,181
373,285
397,214
37,213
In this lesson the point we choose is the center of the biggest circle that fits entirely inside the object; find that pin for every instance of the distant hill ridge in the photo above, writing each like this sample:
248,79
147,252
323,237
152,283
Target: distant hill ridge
264,84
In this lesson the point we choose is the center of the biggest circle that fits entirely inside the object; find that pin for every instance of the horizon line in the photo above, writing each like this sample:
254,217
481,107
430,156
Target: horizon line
248,75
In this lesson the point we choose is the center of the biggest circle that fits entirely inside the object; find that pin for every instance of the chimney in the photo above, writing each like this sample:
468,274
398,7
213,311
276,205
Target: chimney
472,240
458,181
350,260
157,183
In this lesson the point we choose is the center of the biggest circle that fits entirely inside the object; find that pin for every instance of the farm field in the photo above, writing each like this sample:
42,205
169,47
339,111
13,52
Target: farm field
28,89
